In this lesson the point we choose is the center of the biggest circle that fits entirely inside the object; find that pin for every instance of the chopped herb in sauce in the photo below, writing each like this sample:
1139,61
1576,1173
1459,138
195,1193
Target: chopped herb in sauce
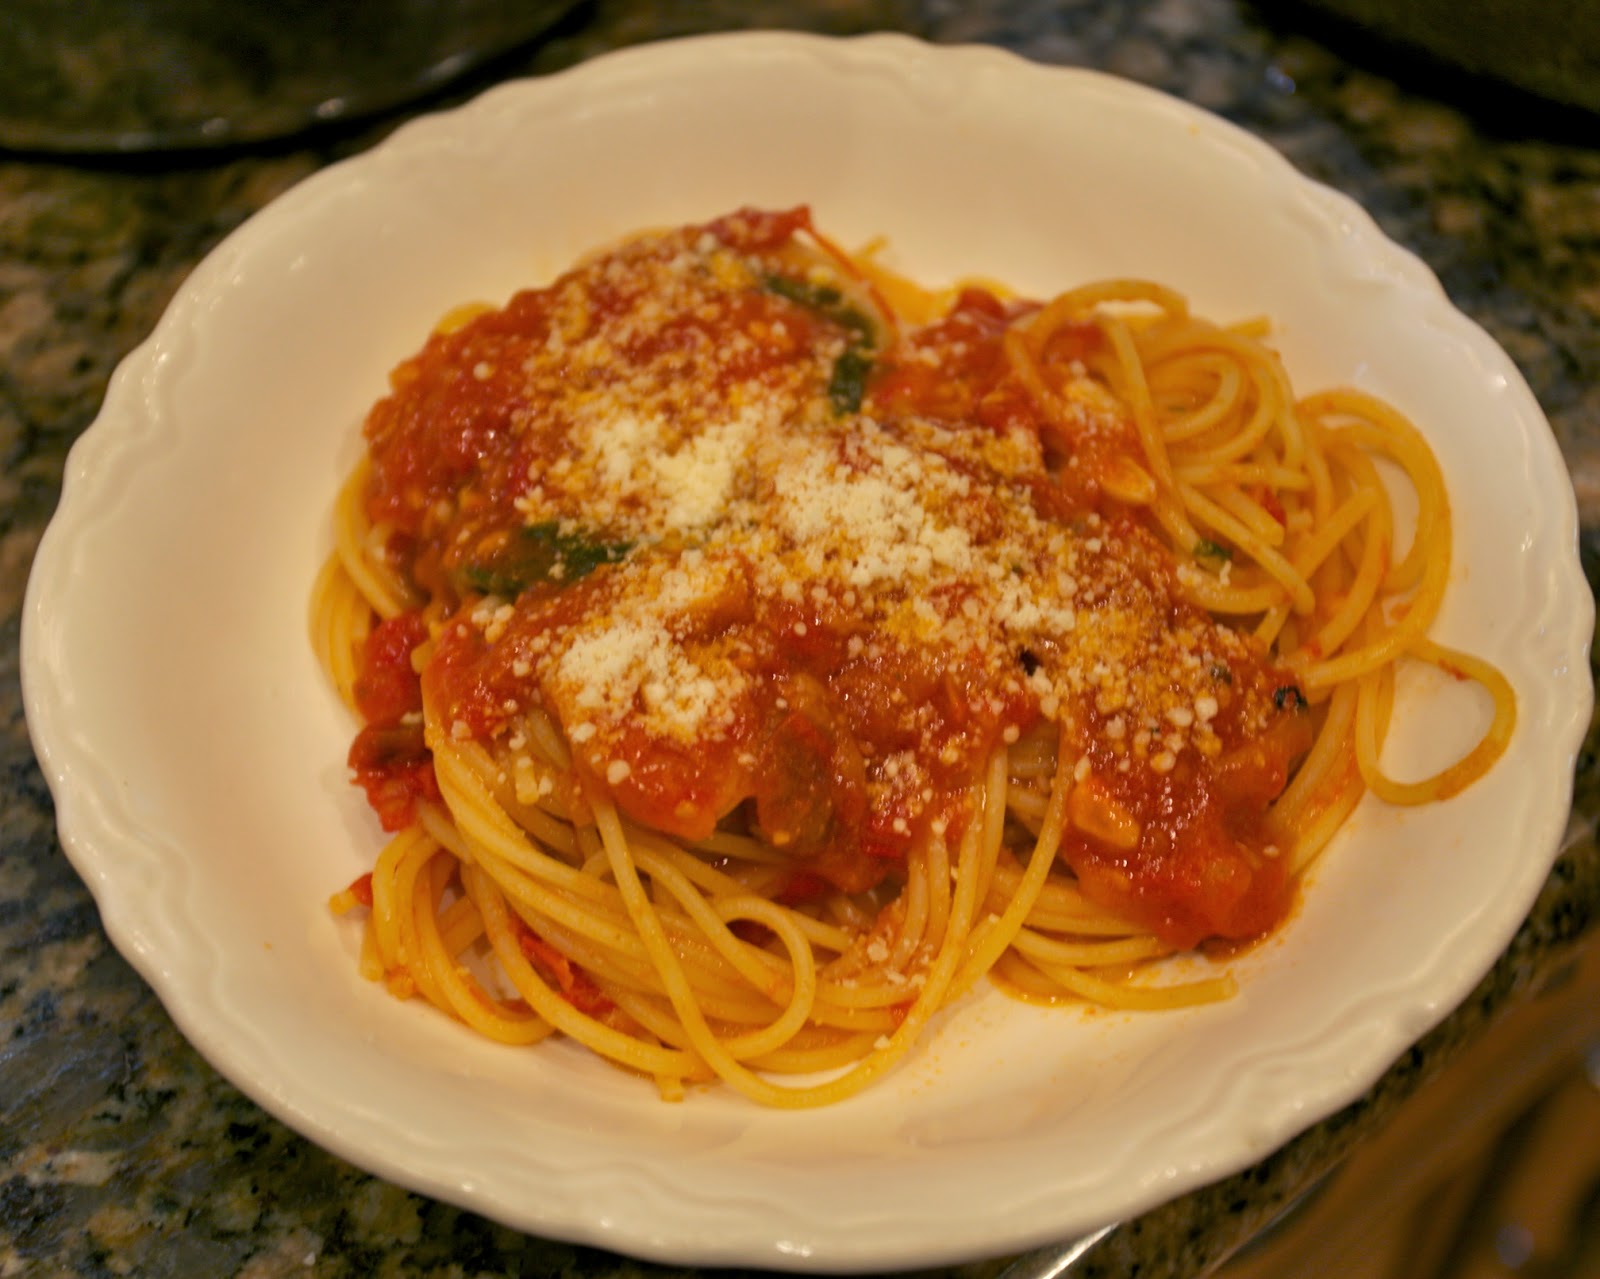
826,301
1289,698
848,385
540,553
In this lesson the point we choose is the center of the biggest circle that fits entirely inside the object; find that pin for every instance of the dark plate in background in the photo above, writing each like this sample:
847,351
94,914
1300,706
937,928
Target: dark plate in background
128,76
1548,48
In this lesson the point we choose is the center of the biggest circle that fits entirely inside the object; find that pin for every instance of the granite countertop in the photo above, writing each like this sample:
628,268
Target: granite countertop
122,1152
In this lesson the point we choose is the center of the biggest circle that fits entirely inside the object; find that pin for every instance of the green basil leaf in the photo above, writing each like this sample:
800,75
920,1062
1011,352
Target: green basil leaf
540,553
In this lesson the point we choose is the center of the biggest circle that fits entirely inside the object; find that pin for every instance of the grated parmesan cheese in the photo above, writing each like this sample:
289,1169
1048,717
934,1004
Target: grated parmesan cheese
669,406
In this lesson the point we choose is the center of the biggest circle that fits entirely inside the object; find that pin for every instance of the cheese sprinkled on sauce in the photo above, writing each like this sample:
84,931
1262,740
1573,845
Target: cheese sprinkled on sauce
747,574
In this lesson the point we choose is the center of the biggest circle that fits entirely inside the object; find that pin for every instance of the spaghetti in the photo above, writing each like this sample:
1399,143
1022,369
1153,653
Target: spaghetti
755,652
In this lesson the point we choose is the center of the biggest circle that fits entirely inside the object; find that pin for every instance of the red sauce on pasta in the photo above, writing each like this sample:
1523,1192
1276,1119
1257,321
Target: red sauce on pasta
767,560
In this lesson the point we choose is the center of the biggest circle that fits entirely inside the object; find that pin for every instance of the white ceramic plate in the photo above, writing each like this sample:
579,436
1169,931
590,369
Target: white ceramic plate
195,752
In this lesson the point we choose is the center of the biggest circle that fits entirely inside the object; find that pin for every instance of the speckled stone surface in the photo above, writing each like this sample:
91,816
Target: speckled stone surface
123,1153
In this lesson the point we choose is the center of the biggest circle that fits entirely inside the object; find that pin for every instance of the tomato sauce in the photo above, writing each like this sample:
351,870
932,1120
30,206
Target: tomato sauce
389,758
843,719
